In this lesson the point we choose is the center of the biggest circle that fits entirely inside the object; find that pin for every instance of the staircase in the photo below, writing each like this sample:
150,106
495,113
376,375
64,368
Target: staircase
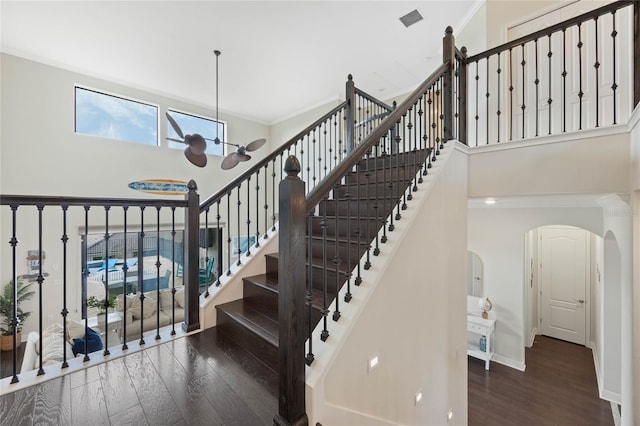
363,202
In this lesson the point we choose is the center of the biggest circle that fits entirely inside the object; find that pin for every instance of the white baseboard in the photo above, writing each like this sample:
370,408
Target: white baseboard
532,338
616,414
508,362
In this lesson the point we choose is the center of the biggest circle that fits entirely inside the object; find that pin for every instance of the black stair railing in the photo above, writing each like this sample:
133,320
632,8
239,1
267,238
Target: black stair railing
243,212
567,77
346,216
54,222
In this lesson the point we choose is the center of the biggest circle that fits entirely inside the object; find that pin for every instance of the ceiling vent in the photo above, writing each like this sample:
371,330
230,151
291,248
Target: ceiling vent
411,18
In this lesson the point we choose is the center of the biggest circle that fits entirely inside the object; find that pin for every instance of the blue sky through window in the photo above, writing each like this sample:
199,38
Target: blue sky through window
190,124
108,116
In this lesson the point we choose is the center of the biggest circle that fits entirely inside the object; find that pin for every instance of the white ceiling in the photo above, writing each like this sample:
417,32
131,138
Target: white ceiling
278,59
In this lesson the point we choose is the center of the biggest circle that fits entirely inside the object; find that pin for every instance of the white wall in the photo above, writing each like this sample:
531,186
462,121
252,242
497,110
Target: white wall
414,320
594,164
41,155
498,236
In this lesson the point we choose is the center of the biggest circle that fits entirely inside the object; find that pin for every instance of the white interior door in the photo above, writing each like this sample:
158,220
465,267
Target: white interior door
563,274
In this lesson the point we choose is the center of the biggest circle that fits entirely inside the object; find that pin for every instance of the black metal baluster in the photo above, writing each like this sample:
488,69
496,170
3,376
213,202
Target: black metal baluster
614,86
158,265
141,272
309,357
248,253
510,94
125,270
537,83
273,194
258,208
487,95
596,65
477,101
229,232
206,253
40,280
218,234
358,231
564,80
266,205
106,282
429,129
376,250
422,139
383,219
340,122
65,311
580,93
498,71
313,144
325,307
173,270
441,123
524,106
405,155
336,256
367,213
238,203
398,197
85,274
321,154
14,278
549,100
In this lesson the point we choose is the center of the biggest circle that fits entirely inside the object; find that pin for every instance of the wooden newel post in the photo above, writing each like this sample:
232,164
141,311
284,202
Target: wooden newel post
291,298
448,54
191,260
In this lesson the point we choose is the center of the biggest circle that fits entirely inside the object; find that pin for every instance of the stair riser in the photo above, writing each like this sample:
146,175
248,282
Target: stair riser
318,274
265,301
404,173
372,190
346,227
250,341
392,161
343,251
376,210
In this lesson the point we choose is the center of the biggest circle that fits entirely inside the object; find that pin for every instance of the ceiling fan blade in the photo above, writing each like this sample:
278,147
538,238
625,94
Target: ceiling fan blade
199,160
196,143
175,126
242,157
255,144
229,162
175,140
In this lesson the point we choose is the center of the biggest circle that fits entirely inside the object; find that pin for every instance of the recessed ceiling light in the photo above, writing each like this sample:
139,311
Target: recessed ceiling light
490,201
411,18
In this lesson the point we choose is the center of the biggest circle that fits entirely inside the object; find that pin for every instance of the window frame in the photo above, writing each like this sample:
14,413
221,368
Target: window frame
201,117
117,96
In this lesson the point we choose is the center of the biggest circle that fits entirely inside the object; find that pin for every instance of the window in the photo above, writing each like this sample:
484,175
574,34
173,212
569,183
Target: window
113,117
205,127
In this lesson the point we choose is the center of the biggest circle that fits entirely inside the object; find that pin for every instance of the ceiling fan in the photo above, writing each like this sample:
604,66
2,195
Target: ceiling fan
196,144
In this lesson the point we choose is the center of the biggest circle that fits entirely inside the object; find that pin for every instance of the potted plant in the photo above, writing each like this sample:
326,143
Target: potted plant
102,305
6,311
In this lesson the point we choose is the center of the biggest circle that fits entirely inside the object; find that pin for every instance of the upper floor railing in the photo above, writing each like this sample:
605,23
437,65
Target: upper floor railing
574,75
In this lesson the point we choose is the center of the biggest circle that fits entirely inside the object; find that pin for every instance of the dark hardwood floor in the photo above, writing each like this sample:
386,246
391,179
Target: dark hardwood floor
559,387
6,361
199,379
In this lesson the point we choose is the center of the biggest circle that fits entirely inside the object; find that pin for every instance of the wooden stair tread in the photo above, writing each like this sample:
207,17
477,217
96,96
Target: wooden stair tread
251,319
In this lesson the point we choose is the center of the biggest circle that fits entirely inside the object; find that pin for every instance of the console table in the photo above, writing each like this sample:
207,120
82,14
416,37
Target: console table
479,326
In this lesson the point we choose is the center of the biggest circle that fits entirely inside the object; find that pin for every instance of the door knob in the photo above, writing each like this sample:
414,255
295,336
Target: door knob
580,301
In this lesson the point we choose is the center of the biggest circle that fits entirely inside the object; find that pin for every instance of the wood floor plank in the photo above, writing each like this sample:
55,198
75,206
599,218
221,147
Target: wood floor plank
132,416
17,407
251,385
558,387
155,399
53,402
118,389
82,377
188,395
88,406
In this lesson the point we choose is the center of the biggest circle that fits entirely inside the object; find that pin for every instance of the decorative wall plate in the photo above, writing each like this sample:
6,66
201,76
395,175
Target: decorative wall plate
160,186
